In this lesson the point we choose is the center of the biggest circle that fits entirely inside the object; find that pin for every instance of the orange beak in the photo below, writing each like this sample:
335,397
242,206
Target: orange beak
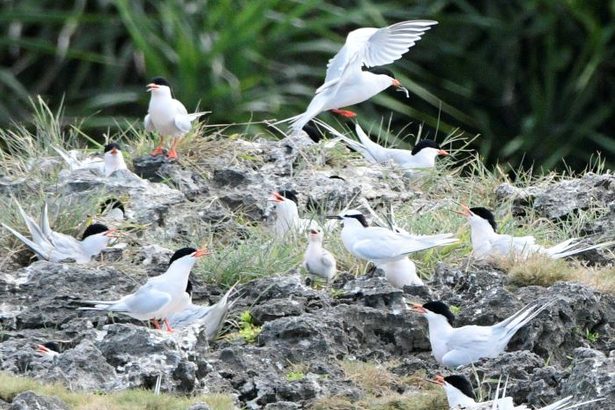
42,349
443,153
276,197
396,83
112,233
439,379
152,86
201,252
418,308
114,151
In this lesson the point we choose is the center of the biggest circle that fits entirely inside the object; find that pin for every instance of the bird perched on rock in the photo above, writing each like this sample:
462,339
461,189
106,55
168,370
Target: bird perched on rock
317,260
454,347
48,350
167,116
55,246
487,243
346,83
113,159
460,396
423,155
161,295
381,245
212,317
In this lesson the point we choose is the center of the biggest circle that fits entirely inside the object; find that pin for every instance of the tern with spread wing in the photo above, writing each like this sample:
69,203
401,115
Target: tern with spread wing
113,159
486,242
212,317
346,83
454,347
55,247
381,245
423,155
460,396
167,116
161,295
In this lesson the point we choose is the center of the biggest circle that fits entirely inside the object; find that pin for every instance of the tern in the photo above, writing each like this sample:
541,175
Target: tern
486,242
167,116
113,159
48,350
161,295
346,83
381,245
112,209
454,347
423,155
286,214
55,246
317,260
210,316
460,395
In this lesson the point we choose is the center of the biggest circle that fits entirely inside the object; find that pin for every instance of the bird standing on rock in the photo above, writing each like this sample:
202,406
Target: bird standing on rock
161,295
167,116
346,83
317,260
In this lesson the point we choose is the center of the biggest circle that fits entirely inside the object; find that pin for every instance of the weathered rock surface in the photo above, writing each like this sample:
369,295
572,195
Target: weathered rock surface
31,401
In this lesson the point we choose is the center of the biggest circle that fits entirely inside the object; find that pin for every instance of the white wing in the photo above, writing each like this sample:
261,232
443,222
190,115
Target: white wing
149,125
374,47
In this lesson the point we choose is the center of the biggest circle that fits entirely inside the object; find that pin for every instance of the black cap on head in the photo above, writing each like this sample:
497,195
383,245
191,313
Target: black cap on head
52,346
359,217
160,81
424,144
93,230
181,253
189,287
111,203
485,214
440,308
110,146
462,384
312,132
379,70
290,194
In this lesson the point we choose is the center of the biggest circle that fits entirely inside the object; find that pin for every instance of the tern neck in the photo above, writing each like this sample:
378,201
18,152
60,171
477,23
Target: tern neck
177,274
287,214
481,231
113,162
456,398
425,158
438,325
94,244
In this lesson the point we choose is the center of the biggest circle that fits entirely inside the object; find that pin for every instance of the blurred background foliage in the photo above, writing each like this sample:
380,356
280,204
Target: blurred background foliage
534,77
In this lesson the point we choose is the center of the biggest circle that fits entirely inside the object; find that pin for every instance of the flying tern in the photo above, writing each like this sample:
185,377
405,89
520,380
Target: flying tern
210,316
460,395
423,155
381,245
113,159
454,347
486,242
167,116
346,83
317,260
161,295
55,246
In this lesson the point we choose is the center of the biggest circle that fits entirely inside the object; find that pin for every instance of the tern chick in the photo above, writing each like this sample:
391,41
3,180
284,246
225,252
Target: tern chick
317,260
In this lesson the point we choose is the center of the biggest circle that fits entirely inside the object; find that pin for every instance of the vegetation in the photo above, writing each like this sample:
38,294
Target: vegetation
11,386
534,78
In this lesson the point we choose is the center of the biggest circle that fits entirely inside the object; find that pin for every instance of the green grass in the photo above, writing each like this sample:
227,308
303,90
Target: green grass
11,386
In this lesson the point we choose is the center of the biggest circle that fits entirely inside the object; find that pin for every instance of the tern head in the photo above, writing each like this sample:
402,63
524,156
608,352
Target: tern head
114,159
284,196
387,76
48,349
434,309
315,235
112,207
351,216
112,148
429,149
479,217
459,391
159,86
187,256
96,237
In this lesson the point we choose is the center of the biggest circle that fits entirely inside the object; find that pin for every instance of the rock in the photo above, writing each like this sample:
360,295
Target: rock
29,400
592,376
199,406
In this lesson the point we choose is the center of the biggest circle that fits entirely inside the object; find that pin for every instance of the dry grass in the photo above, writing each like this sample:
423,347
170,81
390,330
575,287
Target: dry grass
427,400
11,386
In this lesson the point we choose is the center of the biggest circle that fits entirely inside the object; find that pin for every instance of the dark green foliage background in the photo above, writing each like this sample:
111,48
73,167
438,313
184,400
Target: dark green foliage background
533,77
